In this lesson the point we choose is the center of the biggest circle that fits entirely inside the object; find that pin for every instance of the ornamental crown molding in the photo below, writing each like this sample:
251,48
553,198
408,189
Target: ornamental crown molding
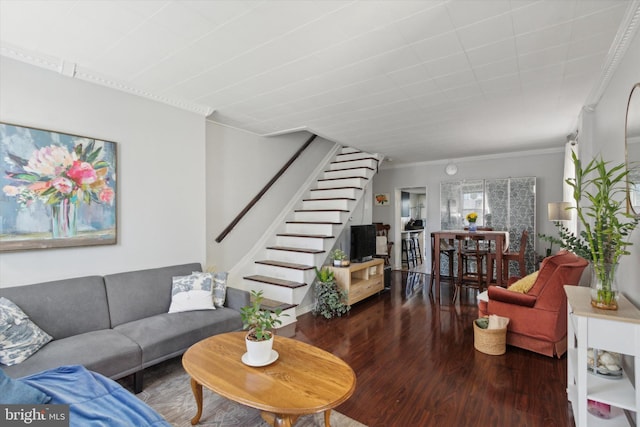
621,42
73,70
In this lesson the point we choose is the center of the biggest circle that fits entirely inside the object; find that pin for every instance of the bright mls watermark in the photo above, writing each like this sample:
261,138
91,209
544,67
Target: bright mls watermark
34,415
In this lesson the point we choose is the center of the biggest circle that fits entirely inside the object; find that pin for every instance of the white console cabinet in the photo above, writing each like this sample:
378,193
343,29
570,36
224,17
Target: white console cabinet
617,331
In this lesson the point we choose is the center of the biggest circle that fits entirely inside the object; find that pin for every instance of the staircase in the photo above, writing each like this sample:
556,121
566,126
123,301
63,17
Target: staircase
284,270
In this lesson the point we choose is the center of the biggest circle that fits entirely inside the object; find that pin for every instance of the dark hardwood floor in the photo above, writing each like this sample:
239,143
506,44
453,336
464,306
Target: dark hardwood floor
416,364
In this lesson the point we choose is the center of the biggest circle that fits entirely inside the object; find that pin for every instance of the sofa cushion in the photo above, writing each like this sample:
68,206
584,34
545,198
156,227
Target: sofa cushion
525,284
17,392
170,334
497,293
192,292
135,295
19,336
63,308
107,352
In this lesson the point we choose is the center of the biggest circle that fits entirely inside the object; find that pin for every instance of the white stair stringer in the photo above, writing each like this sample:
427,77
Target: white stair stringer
282,262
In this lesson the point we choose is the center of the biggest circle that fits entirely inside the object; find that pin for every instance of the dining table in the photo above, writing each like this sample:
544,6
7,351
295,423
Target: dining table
501,239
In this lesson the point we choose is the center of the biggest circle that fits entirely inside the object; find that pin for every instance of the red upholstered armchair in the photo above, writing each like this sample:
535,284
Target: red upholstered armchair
538,319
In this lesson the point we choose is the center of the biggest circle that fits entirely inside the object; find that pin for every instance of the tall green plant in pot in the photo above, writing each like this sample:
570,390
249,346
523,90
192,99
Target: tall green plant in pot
599,191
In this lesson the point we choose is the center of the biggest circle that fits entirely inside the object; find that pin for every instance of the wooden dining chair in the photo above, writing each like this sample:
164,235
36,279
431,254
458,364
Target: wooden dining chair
446,248
472,256
508,257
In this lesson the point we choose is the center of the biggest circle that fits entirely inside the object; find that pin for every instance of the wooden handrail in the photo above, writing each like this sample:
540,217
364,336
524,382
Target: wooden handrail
250,205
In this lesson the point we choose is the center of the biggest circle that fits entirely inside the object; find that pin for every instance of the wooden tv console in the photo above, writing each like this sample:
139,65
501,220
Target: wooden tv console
360,280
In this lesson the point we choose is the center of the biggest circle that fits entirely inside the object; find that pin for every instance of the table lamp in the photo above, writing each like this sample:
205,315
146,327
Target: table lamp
558,211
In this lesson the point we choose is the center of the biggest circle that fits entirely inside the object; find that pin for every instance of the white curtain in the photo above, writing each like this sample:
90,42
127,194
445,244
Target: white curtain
567,191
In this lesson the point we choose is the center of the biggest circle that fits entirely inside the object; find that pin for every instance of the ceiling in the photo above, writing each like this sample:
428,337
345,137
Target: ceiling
413,80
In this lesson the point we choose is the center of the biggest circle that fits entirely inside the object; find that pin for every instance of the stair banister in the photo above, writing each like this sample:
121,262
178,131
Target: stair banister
262,192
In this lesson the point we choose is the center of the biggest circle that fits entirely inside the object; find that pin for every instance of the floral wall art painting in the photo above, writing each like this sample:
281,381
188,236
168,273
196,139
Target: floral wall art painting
381,199
57,189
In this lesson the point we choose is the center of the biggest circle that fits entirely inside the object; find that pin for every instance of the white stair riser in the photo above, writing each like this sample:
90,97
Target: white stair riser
321,216
296,257
361,172
347,150
311,228
277,293
362,163
283,273
352,156
350,193
327,204
344,182
302,242
289,318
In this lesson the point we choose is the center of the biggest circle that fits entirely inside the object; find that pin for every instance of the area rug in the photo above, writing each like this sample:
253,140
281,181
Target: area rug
167,389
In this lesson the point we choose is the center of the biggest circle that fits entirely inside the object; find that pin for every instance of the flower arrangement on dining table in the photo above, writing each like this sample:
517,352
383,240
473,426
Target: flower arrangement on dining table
472,217
61,179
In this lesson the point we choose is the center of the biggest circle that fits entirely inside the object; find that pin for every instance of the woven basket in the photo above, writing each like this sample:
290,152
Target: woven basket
490,341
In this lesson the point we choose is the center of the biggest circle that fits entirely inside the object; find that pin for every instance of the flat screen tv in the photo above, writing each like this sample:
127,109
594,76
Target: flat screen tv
363,242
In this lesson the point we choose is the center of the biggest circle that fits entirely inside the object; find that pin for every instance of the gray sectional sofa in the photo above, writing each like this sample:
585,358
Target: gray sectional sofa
117,324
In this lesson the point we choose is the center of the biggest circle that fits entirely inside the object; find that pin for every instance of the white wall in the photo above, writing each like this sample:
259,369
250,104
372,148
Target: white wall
602,132
161,173
546,166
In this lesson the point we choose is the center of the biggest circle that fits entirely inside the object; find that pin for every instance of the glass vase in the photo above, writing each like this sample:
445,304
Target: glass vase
473,227
63,219
604,286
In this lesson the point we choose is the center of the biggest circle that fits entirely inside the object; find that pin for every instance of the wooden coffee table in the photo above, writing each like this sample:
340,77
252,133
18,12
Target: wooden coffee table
303,380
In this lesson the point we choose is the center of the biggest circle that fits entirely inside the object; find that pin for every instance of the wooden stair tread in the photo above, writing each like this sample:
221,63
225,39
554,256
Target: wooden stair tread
354,160
274,281
337,188
308,236
328,198
285,264
350,169
272,305
292,249
314,222
310,222
321,210
343,177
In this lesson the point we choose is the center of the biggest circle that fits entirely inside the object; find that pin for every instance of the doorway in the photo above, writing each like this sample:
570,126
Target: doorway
411,220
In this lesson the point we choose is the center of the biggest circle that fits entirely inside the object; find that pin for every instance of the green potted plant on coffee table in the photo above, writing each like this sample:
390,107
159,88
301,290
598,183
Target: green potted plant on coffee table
260,324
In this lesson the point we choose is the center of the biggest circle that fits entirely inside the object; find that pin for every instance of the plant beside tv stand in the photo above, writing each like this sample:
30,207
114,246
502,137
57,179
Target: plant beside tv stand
360,280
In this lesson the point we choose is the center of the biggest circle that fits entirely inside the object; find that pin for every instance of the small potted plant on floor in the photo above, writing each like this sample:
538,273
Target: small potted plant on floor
259,323
340,258
330,299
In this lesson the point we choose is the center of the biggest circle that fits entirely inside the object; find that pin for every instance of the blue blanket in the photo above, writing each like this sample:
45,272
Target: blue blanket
94,399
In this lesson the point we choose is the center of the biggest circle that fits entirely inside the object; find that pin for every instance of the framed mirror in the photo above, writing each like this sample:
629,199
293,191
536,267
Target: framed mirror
632,141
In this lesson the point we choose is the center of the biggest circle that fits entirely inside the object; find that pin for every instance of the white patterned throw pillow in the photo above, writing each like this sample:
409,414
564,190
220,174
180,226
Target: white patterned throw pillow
193,292
19,336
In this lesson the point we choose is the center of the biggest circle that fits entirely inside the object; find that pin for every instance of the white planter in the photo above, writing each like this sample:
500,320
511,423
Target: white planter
259,352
